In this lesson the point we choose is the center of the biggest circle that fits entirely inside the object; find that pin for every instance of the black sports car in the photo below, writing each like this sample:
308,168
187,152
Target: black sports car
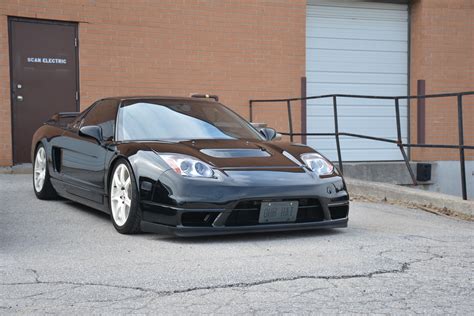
187,166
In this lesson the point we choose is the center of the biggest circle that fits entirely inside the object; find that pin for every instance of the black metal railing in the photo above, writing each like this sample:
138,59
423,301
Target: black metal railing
399,142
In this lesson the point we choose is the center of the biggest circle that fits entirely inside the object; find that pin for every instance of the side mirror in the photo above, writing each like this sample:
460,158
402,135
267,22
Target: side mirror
268,133
92,131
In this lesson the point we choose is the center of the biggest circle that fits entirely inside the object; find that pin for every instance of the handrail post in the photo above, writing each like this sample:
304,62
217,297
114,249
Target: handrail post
290,119
420,112
462,160
250,110
336,131
400,141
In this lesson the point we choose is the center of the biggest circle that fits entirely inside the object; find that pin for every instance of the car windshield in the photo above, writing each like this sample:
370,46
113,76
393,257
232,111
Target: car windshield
181,120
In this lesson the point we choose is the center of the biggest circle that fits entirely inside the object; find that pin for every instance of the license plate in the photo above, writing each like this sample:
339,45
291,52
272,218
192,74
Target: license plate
278,212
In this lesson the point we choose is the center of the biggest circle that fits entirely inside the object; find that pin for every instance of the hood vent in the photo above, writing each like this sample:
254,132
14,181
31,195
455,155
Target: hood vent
236,153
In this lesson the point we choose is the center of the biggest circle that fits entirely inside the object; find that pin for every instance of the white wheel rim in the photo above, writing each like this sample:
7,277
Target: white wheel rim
40,169
121,195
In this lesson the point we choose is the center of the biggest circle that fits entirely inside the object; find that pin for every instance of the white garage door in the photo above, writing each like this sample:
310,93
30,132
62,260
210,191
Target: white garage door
356,47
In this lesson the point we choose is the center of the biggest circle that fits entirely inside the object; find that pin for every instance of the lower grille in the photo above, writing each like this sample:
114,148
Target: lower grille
339,211
246,213
200,219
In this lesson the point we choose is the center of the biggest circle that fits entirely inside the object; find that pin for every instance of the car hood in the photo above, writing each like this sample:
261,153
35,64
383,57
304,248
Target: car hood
234,154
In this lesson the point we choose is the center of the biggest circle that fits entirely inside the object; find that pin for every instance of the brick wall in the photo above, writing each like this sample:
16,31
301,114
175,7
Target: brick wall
240,50
236,49
5,115
442,53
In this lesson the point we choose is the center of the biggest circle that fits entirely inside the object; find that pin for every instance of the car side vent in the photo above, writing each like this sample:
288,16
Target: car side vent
57,158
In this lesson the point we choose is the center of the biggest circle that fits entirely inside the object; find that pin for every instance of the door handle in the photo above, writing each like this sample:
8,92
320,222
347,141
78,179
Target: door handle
19,98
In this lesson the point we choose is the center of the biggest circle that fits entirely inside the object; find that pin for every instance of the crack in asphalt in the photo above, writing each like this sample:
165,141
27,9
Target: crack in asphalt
403,268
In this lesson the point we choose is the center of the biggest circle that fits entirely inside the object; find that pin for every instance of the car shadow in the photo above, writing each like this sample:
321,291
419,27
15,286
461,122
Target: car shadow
250,237
86,209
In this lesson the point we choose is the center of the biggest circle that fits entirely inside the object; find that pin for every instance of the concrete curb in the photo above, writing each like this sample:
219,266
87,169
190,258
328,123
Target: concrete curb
18,169
445,204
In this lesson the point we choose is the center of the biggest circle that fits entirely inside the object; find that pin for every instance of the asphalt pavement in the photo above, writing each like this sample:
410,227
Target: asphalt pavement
61,257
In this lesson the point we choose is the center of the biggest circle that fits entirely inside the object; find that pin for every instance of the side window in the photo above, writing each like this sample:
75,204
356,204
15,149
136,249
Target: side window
103,114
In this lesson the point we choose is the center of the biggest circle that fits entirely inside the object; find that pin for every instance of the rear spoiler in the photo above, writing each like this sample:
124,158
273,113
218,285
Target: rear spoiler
205,96
60,117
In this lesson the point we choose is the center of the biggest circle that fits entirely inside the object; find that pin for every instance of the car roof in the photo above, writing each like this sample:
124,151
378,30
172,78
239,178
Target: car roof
157,97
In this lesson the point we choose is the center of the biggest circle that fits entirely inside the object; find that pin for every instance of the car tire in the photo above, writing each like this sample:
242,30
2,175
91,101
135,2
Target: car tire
41,179
123,199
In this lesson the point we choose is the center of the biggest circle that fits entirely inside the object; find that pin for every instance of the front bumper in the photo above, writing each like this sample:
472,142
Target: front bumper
242,216
185,207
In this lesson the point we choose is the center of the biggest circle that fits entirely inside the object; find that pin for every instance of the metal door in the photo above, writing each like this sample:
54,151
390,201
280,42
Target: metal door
43,76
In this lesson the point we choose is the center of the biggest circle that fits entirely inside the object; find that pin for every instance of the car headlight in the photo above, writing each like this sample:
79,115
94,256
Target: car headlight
318,164
188,166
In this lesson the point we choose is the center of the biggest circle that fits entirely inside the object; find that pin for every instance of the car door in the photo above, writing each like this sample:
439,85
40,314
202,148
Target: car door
83,157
